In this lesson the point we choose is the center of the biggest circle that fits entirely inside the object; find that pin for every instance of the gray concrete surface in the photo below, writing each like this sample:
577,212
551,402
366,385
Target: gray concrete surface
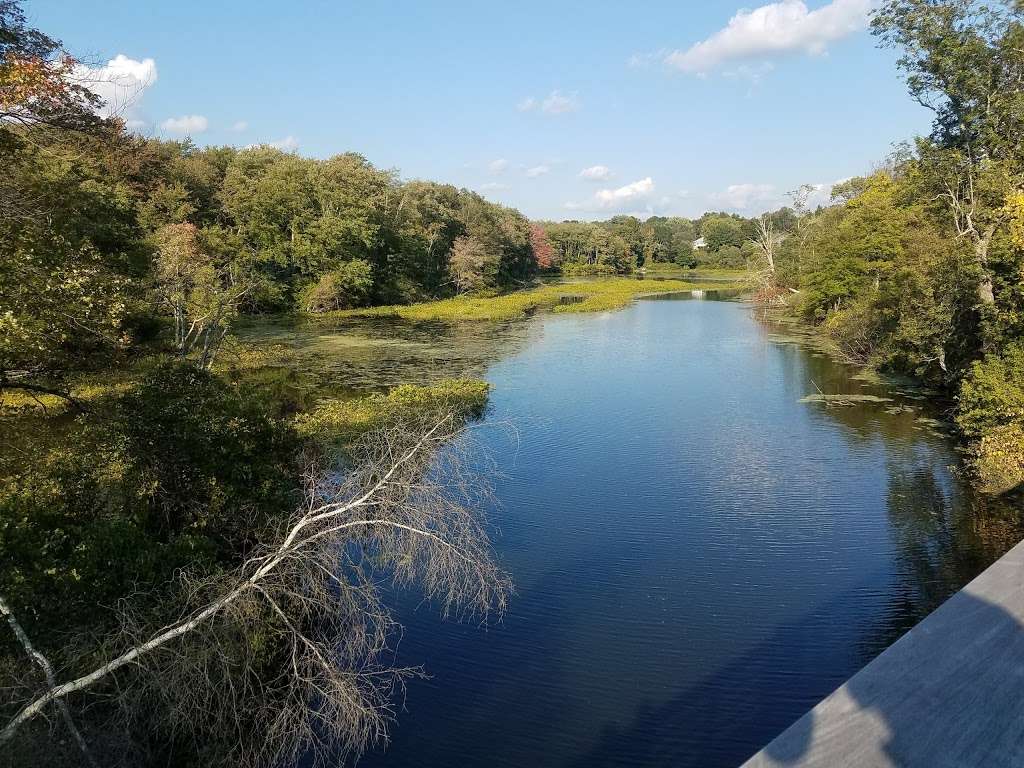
948,694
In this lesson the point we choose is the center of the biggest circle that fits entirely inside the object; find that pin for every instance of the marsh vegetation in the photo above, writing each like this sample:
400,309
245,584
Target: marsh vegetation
238,388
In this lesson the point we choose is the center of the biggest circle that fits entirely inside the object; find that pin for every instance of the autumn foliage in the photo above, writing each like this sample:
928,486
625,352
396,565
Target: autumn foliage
39,82
542,250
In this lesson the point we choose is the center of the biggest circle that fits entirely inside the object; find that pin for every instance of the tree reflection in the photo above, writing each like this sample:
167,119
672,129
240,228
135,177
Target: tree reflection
943,532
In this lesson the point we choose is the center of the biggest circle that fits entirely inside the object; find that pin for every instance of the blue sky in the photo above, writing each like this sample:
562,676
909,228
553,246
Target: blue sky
674,107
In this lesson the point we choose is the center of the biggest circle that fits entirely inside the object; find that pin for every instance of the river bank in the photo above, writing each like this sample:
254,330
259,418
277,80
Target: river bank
679,567
640,433
568,295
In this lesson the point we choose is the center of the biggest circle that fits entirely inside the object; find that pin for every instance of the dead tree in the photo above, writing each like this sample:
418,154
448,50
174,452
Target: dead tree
974,222
763,269
407,510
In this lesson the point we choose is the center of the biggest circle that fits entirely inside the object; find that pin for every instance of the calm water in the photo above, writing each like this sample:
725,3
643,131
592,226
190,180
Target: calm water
699,556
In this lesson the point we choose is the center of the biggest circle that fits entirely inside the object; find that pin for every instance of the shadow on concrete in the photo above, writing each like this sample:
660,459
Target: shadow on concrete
949,694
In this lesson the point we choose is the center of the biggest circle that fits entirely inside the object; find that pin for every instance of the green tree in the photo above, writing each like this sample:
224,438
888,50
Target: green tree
473,266
347,286
202,294
721,231
70,277
964,60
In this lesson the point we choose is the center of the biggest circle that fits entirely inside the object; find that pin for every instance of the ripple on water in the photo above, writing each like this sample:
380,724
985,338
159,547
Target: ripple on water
700,553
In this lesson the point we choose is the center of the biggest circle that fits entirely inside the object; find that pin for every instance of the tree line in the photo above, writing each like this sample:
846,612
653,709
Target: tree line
137,459
190,572
918,267
108,230
622,244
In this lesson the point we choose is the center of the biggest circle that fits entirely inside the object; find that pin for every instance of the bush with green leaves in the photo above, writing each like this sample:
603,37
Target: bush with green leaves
184,471
205,456
587,270
990,411
346,287
992,394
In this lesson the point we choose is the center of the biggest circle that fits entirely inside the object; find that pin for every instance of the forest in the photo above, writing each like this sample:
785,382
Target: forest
624,244
149,461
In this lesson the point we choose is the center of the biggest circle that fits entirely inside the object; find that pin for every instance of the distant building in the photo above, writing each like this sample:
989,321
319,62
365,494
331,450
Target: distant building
699,244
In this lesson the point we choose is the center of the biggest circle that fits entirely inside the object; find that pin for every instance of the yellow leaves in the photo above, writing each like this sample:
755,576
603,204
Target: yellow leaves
999,458
880,189
31,82
1014,210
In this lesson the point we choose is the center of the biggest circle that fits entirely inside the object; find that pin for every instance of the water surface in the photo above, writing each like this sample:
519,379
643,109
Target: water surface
699,556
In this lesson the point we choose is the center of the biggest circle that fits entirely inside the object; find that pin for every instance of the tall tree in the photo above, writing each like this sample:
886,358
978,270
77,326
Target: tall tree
40,84
964,60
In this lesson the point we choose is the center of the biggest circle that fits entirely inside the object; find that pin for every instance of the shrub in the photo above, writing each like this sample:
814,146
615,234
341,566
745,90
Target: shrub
205,456
343,288
992,394
730,256
991,412
855,330
590,270
685,256
73,539
334,423
999,458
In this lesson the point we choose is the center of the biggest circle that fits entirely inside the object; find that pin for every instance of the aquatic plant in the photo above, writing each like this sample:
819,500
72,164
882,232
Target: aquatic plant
336,423
595,296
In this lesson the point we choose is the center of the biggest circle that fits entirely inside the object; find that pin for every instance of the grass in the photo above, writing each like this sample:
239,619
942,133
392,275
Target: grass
91,387
87,389
598,295
337,422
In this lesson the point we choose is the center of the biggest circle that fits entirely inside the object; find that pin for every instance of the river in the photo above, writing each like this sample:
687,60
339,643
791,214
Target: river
700,553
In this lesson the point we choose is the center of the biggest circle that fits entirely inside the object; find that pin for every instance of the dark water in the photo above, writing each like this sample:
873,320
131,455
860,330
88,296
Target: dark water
699,556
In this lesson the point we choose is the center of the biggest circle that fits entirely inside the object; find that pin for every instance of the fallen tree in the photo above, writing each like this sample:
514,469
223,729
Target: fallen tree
405,509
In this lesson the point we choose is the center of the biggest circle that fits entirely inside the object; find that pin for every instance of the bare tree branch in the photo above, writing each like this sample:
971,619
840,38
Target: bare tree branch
51,679
405,508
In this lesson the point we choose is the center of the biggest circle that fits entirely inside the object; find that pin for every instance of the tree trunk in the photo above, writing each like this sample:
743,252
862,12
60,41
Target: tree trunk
986,296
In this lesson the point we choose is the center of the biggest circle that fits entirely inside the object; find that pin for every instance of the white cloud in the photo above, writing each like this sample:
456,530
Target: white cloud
558,103
821,194
121,83
537,170
745,196
776,28
636,197
756,198
596,173
188,124
135,125
752,72
493,186
287,144
630,193
555,103
497,166
240,126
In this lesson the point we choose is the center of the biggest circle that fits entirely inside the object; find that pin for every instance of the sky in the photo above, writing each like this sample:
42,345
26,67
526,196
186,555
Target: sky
562,109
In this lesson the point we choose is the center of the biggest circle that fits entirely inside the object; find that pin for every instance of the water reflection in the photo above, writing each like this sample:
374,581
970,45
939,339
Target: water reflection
944,533
700,555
